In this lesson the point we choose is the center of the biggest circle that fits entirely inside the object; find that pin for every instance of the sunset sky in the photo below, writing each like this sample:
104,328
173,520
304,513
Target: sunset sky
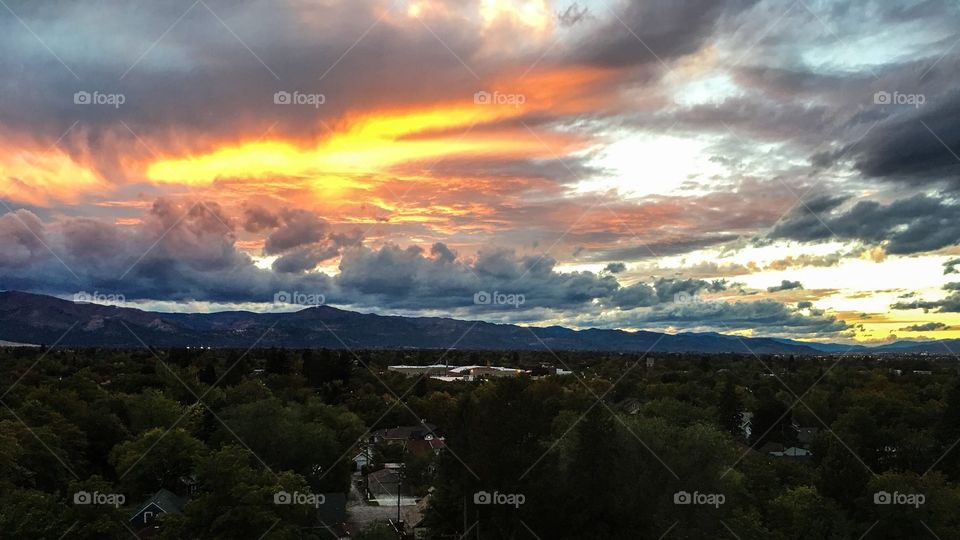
778,168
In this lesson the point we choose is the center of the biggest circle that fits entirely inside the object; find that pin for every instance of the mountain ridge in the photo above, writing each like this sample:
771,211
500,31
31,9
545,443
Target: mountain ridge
40,319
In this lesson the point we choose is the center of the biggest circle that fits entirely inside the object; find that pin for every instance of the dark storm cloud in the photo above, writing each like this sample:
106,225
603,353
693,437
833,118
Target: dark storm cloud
920,148
914,225
615,268
177,252
669,288
257,219
410,278
307,256
663,291
197,77
950,267
180,252
299,227
785,285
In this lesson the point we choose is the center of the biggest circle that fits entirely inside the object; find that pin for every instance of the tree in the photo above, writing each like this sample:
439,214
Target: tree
730,410
151,409
156,459
801,513
772,421
278,362
240,499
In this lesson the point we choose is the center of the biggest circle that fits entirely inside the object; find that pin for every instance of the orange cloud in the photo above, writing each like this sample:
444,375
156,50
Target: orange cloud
42,178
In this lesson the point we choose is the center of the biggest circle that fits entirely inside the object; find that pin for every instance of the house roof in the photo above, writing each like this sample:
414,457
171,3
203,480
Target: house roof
467,369
424,446
384,482
165,500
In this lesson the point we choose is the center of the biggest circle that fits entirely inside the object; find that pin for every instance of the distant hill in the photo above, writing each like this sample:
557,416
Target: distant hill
39,319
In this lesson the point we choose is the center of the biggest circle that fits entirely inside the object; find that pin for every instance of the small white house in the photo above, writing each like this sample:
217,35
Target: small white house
362,459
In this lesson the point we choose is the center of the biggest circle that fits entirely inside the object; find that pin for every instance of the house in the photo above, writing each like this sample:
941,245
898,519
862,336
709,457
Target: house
163,502
415,518
472,373
363,459
746,424
628,406
433,369
446,373
793,452
426,445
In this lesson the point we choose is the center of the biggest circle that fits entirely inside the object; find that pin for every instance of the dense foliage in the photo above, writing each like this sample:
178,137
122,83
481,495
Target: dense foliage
602,454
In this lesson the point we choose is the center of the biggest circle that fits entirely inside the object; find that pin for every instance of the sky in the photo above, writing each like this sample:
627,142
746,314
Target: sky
760,168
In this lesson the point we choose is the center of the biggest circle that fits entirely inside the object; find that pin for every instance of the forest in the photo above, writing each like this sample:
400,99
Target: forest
626,446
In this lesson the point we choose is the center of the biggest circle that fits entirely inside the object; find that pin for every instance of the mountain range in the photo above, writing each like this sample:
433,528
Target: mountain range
27,318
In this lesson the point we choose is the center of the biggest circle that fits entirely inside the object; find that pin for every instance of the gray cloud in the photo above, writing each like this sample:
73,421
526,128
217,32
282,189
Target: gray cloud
913,225
669,30
950,304
918,148
181,252
615,268
771,317
785,285
21,239
926,327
